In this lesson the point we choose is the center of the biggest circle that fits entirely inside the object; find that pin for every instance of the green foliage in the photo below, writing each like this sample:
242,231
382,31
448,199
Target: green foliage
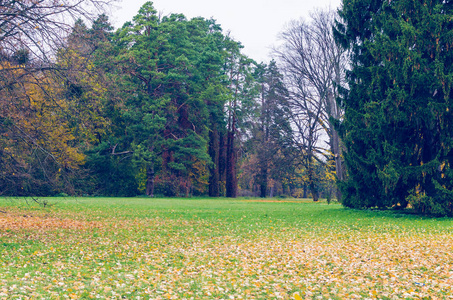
110,175
170,92
398,113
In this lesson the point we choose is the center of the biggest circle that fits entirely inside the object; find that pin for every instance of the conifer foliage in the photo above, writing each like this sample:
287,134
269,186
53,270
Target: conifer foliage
397,125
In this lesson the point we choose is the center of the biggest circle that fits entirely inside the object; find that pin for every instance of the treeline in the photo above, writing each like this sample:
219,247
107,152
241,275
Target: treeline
359,99
162,106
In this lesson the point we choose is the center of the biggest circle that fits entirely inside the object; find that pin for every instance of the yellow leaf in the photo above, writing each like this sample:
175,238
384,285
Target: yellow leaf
297,296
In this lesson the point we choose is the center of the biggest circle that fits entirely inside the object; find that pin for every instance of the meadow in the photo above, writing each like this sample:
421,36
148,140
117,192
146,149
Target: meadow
142,248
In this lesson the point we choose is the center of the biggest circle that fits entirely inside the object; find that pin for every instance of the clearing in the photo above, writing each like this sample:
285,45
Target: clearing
142,248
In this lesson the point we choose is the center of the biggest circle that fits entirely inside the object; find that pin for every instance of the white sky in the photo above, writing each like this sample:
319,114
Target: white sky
254,23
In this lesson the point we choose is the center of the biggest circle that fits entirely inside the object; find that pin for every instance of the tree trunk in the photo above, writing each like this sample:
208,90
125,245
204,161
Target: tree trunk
337,153
314,192
338,163
305,191
271,194
231,182
150,181
214,169
335,141
312,179
222,163
188,188
263,183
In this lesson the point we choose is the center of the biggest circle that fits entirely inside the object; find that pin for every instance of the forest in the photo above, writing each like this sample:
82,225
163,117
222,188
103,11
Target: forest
354,106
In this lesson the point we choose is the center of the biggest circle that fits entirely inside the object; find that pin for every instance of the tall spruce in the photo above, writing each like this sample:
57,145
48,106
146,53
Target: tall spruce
398,118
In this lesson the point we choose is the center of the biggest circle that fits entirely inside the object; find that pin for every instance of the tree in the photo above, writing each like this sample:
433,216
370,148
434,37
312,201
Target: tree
173,90
40,149
241,103
271,131
398,114
313,66
32,31
81,70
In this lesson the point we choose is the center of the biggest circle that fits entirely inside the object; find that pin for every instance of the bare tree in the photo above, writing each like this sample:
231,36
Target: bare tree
39,25
313,66
31,32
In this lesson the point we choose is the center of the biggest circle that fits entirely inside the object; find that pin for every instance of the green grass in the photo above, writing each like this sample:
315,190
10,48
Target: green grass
141,248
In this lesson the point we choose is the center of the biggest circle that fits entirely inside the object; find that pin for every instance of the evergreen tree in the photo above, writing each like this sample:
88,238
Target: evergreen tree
174,92
243,91
398,118
91,95
272,132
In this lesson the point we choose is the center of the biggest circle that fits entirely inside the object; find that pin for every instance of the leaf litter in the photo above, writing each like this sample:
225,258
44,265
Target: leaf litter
175,258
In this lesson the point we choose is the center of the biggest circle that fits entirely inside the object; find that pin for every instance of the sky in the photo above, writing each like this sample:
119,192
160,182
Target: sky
254,23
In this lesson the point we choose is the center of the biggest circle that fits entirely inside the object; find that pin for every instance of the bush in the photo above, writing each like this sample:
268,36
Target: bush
440,206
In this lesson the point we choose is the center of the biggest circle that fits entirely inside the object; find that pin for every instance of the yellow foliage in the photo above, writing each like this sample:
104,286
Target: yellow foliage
88,105
297,296
141,179
199,175
33,106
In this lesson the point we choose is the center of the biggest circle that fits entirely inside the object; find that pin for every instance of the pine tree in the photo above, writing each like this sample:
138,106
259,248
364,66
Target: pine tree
272,133
174,91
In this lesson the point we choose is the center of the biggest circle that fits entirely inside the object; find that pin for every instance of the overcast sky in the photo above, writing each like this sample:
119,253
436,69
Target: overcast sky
254,23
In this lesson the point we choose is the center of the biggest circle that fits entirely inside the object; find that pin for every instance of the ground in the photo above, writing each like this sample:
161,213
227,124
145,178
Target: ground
143,248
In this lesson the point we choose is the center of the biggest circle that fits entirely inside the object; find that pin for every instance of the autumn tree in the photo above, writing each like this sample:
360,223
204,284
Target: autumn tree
313,65
38,153
32,32
39,147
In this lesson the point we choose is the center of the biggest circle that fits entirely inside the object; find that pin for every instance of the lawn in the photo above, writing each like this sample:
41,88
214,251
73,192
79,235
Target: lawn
138,248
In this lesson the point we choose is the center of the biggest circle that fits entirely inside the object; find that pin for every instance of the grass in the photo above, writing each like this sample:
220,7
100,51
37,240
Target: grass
136,248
